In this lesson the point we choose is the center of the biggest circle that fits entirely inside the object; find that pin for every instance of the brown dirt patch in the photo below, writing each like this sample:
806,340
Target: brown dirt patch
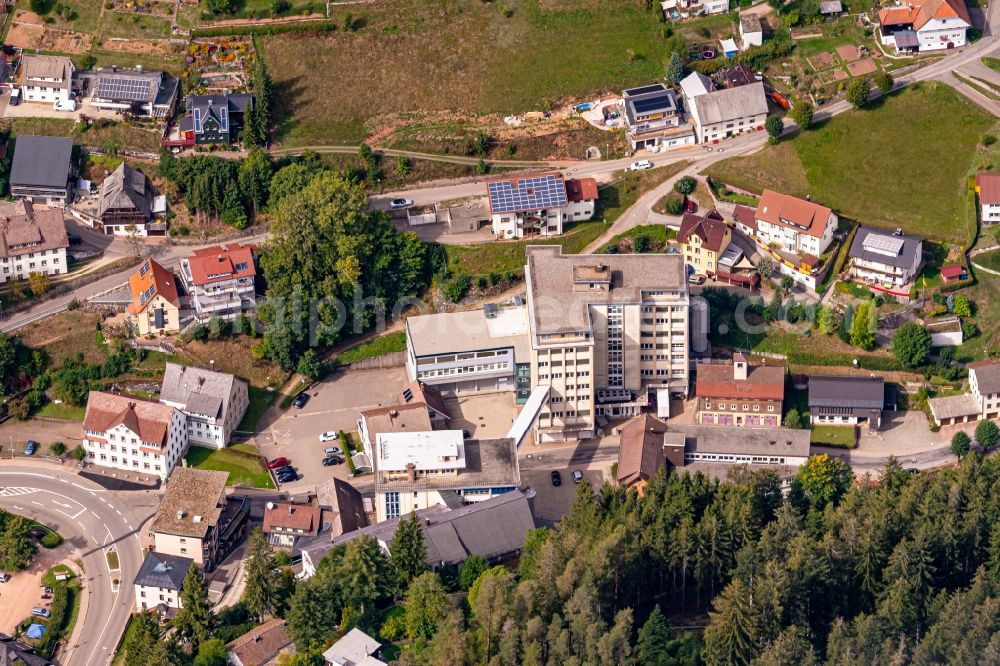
821,60
146,46
862,67
29,36
839,74
848,52
24,16
23,591
233,356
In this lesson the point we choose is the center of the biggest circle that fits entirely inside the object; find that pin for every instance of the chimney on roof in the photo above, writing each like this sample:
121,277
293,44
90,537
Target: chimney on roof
411,472
740,368
256,638
809,197
393,413
289,509
180,514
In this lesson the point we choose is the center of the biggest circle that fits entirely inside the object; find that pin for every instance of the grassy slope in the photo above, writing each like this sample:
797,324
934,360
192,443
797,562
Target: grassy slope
461,57
901,164
243,470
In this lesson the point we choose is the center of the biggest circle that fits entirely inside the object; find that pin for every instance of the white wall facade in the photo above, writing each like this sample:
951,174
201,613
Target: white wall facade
151,597
729,128
990,213
49,262
184,546
791,239
120,448
47,91
937,34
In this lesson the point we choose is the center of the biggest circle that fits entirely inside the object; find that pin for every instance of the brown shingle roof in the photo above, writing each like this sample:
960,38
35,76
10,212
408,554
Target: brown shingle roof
988,185
763,382
344,504
229,262
641,454
987,376
297,517
746,216
150,421
191,493
709,228
581,189
396,418
30,231
785,210
261,644
424,393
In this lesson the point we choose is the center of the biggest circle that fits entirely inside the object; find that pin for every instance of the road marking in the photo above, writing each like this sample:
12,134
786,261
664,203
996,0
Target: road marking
95,514
38,503
62,480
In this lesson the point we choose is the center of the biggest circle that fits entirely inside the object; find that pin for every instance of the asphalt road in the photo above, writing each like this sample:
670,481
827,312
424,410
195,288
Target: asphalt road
90,518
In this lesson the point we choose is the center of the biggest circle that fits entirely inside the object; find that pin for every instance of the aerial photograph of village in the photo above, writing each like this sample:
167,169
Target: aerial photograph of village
499,332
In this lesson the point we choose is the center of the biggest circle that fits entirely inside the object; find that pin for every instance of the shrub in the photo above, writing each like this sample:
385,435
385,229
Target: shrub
79,453
74,304
989,140
269,29
455,288
345,445
51,540
58,448
675,206
685,185
858,91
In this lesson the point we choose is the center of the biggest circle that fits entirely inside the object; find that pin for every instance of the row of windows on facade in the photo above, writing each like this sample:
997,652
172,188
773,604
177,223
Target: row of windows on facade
135,463
732,407
569,361
559,375
449,358
444,372
713,457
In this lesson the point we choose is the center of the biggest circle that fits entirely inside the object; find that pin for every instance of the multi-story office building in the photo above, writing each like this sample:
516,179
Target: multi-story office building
476,351
606,332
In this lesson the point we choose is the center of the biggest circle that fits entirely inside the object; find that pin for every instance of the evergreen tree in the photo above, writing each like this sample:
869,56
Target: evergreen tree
729,638
249,135
263,94
365,573
791,648
407,552
472,568
911,344
426,606
653,640
863,326
194,618
212,652
143,646
259,562
826,320
675,69
255,174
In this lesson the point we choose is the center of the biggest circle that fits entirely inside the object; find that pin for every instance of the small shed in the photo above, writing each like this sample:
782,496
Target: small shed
831,8
729,47
953,273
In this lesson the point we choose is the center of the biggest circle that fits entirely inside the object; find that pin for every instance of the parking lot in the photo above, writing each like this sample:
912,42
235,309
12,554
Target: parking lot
553,502
23,591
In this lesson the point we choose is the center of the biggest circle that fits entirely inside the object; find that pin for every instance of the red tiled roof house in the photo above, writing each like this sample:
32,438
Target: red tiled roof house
988,189
738,394
155,307
703,240
133,434
220,280
925,25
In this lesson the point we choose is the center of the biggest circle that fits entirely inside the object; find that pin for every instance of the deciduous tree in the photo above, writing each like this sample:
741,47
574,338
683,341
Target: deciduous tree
911,344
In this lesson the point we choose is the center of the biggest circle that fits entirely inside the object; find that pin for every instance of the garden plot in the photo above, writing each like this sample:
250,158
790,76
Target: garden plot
28,34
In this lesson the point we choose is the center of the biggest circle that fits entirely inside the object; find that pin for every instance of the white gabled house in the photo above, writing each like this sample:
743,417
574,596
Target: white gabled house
795,225
925,25
988,190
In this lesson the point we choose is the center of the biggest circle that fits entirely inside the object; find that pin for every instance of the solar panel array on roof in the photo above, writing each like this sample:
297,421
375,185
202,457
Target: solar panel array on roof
654,103
886,245
223,119
144,269
123,88
642,90
146,295
527,194
197,121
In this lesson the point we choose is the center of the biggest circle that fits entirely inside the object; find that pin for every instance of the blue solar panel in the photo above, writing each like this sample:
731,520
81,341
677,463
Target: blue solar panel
524,194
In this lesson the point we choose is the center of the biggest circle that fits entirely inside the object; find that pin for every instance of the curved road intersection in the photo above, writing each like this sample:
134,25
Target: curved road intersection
91,519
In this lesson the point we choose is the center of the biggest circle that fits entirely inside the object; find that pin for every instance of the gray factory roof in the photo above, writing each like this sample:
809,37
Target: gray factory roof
847,392
737,440
489,463
469,330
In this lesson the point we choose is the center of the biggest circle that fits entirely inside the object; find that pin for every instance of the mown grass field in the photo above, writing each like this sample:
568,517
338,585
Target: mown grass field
903,163
241,461
503,256
457,58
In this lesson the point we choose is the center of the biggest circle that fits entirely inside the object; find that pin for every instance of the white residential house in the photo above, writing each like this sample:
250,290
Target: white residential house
795,225
127,433
728,112
220,280
695,84
32,242
46,78
158,583
981,402
988,189
925,25
213,402
654,118
539,205
751,31
887,261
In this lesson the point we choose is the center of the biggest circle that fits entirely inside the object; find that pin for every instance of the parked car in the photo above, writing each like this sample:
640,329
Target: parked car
30,447
556,477
329,436
288,477
332,460
4,576
278,462
38,611
396,204
74,239
690,207
300,400
15,97
697,278
46,590
577,476
64,105
331,450
640,165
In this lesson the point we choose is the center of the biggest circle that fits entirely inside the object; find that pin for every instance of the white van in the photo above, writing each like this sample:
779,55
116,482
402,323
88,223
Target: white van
15,97
64,105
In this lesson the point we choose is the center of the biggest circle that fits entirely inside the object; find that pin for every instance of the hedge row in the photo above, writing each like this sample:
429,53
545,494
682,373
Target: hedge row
266,29
865,361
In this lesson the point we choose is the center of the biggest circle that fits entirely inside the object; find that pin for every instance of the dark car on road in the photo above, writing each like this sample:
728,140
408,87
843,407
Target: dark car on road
300,400
30,447
286,477
556,478
332,460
